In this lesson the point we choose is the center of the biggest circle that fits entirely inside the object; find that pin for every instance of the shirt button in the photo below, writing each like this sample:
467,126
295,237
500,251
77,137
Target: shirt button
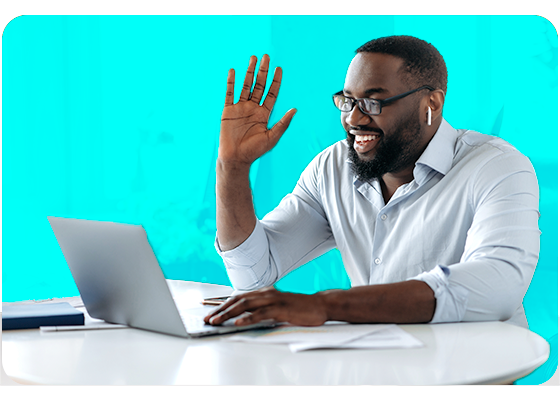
384,217
377,261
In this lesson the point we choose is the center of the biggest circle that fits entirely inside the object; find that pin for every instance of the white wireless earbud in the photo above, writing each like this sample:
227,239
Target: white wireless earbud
429,116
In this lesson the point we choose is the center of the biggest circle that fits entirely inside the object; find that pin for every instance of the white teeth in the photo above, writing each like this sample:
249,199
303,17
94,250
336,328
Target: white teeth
363,138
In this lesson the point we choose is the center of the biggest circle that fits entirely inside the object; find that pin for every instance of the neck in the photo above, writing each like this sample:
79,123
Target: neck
391,181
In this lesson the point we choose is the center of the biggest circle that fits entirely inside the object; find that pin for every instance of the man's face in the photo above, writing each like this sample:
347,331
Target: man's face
393,140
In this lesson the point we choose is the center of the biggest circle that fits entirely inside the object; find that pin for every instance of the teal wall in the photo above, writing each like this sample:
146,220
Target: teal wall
117,118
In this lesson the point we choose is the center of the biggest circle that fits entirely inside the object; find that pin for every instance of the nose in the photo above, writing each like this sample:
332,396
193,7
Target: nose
356,117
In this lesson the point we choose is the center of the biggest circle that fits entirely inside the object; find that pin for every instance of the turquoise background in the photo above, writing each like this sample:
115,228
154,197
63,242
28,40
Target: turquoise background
117,118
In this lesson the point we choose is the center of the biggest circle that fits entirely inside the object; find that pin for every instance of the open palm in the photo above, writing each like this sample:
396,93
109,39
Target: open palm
244,133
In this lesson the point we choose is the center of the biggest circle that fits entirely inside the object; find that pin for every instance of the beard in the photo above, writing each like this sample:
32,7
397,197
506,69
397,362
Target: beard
397,149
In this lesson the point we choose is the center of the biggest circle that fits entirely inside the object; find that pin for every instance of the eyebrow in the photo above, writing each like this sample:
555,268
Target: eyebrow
368,92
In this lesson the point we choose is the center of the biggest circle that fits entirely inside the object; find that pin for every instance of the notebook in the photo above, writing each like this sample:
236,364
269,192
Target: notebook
120,280
30,316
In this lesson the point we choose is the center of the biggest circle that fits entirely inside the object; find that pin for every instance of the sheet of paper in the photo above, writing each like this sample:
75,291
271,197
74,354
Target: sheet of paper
391,337
331,334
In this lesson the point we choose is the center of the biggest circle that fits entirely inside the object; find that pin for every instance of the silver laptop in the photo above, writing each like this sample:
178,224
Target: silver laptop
120,280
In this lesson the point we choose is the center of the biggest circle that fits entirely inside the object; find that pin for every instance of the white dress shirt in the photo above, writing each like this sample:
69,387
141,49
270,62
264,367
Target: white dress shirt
467,225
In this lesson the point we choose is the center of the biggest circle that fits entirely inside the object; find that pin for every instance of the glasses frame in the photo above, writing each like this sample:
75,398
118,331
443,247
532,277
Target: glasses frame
380,102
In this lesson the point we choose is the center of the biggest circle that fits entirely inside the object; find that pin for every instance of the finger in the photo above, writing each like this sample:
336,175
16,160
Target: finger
234,299
230,87
248,82
280,127
272,94
243,305
259,315
221,308
260,84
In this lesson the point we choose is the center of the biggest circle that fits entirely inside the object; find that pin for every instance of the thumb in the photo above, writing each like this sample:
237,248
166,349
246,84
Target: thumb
280,127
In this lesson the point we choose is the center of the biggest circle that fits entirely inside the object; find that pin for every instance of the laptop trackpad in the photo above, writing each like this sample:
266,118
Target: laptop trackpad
198,314
193,320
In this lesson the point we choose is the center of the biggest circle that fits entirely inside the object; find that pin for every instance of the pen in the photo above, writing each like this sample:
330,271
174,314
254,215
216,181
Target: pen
91,326
214,301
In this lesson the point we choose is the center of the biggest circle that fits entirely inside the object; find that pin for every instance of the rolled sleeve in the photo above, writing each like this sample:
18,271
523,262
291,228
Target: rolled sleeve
248,265
451,300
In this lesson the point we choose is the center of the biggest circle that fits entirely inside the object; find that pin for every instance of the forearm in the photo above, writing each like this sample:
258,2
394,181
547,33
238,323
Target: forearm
235,213
403,302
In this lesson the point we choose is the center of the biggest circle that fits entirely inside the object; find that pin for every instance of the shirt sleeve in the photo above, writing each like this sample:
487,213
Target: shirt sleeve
246,265
451,300
294,233
501,250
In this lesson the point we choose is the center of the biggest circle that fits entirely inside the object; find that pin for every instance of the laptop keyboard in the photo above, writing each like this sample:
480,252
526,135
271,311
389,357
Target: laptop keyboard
192,322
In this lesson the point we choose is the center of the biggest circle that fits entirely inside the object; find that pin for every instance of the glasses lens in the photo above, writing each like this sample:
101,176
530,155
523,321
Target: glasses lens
342,103
369,106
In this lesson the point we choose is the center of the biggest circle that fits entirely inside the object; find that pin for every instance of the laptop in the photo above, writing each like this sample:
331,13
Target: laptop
120,280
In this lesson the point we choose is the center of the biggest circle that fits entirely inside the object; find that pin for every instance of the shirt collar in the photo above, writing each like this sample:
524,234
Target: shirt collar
439,153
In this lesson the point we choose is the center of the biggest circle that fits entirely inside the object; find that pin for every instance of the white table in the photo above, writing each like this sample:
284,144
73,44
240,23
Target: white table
460,353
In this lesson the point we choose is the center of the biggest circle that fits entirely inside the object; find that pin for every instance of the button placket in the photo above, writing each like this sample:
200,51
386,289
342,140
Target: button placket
380,232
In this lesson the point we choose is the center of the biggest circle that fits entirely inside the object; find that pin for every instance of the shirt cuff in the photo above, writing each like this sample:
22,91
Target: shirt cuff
246,264
451,299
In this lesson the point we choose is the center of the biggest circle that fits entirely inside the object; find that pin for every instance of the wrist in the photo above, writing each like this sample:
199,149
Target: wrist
327,303
229,166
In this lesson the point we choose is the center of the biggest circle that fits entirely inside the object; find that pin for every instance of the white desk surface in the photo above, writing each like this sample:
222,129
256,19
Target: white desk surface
459,353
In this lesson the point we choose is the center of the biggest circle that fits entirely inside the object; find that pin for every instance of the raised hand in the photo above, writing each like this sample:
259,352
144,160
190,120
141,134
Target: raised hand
244,133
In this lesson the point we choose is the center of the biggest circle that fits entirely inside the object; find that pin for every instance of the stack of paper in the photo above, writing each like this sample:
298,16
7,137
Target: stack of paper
332,335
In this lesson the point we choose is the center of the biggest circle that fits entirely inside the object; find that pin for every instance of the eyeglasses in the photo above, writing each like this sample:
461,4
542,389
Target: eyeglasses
369,106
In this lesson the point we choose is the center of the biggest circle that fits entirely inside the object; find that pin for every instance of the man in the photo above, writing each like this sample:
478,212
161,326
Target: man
433,224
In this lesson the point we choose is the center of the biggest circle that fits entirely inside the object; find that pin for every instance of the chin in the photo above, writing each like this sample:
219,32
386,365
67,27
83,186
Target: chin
366,157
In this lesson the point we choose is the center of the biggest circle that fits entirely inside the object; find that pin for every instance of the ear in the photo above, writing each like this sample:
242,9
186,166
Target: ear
435,102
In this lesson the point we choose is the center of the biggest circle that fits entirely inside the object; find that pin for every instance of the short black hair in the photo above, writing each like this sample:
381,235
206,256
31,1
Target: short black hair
423,64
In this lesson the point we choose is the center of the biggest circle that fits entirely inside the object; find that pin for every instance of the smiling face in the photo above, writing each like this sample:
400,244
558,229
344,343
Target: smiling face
392,141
